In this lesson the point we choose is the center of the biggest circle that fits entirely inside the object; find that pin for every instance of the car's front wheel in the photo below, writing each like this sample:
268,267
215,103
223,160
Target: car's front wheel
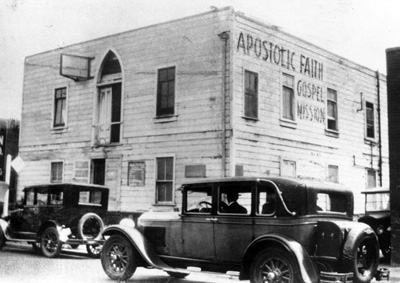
94,250
50,242
119,258
274,265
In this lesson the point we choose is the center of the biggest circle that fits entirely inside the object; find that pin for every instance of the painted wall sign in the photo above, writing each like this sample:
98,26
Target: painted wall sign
310,102
136,173
280,55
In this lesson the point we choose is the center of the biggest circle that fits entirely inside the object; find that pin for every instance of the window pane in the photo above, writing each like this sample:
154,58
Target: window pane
251,95
166,91
288,108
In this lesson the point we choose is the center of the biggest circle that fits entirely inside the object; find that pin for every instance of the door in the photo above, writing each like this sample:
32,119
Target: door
233,225
197,223
98,170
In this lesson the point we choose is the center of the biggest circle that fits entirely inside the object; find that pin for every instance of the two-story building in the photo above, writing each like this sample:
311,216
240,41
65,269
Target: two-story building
211,95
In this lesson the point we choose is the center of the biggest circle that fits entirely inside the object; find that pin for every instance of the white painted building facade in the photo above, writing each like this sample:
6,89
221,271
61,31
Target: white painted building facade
215,94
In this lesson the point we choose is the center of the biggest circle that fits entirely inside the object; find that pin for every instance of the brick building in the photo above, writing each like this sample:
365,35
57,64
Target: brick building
211,95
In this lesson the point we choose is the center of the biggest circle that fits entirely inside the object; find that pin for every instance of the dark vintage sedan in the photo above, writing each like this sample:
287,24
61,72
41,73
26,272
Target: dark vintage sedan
56,214
264,229
377,215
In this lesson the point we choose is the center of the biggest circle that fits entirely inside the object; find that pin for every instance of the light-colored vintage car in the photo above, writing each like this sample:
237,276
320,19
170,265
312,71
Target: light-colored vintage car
264,229
56,214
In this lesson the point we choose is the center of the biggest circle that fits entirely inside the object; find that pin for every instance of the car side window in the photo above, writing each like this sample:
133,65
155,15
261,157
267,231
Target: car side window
199,200
235,198
56,198
41,198
266,200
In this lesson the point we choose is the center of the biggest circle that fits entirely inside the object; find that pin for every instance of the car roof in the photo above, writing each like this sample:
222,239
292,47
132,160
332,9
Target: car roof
281,182
69,185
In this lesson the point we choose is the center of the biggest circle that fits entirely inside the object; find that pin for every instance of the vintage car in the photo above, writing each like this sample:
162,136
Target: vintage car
263,229
56,214
377,215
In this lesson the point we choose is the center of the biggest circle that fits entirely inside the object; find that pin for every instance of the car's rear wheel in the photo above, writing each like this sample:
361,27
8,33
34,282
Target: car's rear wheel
50,242
362,255
119,258
94,250
274,265
90,226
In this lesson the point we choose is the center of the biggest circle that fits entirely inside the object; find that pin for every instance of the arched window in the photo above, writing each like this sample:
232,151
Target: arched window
109,115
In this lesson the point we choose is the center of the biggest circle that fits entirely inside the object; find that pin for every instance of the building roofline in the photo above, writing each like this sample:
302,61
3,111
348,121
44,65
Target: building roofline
133,30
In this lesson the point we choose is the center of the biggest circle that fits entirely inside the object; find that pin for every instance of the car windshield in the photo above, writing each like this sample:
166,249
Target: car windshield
377,201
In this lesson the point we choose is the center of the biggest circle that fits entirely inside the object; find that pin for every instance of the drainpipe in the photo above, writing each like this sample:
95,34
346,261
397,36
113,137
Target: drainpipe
380,128
224,36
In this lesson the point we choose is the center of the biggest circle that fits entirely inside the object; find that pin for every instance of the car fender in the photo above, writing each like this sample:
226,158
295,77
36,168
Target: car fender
305,266
141,244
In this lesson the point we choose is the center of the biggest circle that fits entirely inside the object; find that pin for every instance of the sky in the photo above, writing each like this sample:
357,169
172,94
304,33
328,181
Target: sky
358,30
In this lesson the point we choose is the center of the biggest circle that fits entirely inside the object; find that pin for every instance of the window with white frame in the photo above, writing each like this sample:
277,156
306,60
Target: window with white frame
166,92
288,168
332,121
333,174
371,178
165,179
60,107
57,170
251,95
369,120
288,100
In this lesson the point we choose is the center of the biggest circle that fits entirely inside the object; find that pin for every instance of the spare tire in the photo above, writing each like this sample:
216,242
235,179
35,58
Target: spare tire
90,226
361,253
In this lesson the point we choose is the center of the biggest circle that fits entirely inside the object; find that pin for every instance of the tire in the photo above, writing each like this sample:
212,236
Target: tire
361,256
274,265
50,242
178,275
2,239
90,226
94,251
119,258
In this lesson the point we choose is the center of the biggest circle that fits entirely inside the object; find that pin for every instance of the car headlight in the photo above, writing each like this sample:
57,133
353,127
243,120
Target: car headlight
380,230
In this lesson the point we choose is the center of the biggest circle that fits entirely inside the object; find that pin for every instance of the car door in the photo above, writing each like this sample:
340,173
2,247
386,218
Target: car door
197,223
233,229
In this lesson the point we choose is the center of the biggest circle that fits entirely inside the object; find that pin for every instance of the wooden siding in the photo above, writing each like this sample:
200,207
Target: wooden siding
261,145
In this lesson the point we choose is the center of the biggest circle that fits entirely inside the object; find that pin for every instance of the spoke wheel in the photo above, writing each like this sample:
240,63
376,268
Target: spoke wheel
273,265
118,258
50,242
94,250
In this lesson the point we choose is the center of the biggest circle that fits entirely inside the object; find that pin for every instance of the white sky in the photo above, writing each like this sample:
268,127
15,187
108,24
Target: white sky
359,30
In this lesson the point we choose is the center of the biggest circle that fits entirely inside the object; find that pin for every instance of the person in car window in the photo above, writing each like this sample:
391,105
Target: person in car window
233,206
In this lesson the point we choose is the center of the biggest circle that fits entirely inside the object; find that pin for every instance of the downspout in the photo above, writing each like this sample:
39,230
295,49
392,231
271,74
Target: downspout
224,36
380,128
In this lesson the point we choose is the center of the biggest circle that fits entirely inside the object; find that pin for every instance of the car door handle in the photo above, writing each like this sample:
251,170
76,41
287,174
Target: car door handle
212,219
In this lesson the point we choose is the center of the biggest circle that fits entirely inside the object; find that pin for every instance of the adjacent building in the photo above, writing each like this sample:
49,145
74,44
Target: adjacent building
211,95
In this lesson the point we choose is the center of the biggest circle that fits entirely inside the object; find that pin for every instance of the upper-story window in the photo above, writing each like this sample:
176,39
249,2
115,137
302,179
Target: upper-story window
57,170
251,95
60,107
369,120
109,100
166,92
332,121
288,106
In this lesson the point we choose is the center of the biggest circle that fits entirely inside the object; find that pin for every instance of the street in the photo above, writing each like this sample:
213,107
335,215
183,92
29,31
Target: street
19,263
